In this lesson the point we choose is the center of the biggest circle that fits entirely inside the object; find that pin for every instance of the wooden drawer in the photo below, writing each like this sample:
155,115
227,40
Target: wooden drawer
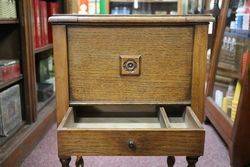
130,130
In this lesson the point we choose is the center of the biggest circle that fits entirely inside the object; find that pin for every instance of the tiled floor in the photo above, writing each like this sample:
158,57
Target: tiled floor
45,155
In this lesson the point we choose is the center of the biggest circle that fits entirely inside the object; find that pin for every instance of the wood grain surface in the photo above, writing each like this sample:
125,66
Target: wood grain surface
180,7
199,70
61,70
28,60
132,19
113,141
221,25
241,134
87,57
166,66
225,128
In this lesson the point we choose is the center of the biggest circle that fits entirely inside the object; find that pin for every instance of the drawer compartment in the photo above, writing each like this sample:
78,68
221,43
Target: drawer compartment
129,130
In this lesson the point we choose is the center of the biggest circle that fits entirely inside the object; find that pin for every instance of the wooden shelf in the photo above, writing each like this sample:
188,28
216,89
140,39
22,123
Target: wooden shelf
44,48
234,133
238,33
6,84
9,21
233,75
4,139
220,120
41,105
18,35
146,1
228,71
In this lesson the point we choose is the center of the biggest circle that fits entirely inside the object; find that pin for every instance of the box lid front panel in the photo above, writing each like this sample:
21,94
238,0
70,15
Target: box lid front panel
130,64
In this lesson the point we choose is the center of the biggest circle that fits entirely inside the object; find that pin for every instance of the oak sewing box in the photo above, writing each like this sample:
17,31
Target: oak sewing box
130,85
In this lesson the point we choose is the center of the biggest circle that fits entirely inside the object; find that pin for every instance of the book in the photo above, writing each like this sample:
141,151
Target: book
245,56
44,23
37,24
53,8
104,7
83,7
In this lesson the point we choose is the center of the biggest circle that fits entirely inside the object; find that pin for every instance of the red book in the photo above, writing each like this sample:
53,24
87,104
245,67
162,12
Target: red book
53,8
44,25
37,25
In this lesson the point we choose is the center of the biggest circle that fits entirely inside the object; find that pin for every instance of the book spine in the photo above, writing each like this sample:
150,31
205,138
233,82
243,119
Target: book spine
104,7
92,7
83,6
53,8
44,25
37,25
45,20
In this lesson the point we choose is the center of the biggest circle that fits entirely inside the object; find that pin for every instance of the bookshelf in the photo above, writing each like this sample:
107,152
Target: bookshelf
9,21
43,48
8,83
145,1
139,7
17,35
226,105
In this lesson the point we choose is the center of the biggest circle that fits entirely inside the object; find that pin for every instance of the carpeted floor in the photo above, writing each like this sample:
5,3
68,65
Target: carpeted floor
45,155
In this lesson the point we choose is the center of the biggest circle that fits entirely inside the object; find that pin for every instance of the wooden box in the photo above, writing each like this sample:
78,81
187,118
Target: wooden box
130,85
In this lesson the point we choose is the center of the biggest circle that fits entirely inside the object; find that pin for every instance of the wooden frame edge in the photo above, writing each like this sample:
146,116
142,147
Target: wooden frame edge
199,70
61,70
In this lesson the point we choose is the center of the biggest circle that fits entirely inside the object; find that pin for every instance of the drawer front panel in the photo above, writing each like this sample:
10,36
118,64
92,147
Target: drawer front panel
130,135
165,66
115,143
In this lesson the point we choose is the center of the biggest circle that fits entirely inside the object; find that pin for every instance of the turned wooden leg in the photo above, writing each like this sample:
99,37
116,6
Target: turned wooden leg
171,161
192,161
79,161
65,161
207,121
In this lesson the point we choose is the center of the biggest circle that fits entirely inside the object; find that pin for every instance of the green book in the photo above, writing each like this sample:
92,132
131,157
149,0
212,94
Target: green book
104,7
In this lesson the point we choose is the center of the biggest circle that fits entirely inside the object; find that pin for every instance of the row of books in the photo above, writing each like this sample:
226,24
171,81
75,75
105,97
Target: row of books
93,7
42,29
229,100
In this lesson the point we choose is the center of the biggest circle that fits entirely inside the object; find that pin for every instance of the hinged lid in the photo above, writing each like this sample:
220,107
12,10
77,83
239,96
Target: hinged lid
127,19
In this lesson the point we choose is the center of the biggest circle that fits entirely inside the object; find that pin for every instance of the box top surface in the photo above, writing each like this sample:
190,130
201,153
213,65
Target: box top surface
121,19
